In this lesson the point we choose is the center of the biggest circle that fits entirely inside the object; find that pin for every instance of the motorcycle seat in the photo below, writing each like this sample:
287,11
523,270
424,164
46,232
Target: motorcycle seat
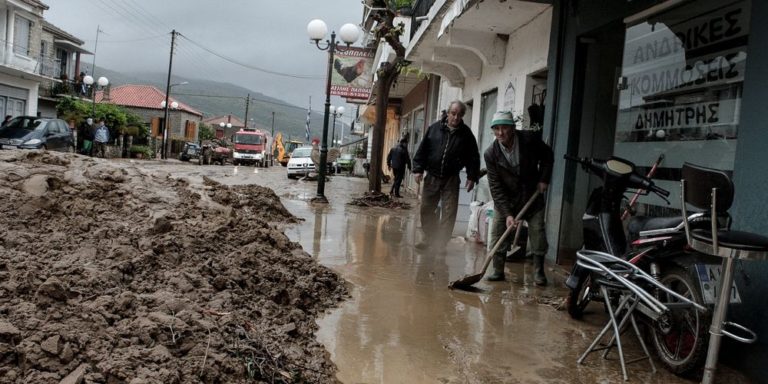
638,224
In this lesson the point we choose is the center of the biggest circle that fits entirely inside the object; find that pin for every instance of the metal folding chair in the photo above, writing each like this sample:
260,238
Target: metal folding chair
624,281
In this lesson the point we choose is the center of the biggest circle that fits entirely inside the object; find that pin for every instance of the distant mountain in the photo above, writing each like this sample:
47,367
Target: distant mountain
214,98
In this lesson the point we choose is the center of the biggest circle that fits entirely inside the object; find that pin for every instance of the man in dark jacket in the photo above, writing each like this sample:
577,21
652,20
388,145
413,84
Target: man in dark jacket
518,165
447,147
397,160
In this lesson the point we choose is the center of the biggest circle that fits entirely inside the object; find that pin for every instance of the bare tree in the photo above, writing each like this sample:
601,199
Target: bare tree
387,74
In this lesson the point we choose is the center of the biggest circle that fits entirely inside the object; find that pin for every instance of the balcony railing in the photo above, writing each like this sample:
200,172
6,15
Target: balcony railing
65,88
420,8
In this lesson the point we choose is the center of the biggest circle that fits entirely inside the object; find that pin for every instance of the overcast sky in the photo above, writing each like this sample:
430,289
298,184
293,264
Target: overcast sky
265,34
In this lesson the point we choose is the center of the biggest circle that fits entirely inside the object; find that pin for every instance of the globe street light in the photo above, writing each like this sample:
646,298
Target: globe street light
101,83
317,29
336,112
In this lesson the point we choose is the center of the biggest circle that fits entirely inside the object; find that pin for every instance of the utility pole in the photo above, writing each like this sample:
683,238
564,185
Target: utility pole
247,104
165,146
273,123
93,72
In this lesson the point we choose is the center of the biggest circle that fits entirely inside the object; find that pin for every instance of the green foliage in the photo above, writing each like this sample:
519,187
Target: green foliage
143,149
130,131
205,132
117,118
397,4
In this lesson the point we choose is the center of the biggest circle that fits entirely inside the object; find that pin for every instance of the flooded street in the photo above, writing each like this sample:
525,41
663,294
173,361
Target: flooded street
403,325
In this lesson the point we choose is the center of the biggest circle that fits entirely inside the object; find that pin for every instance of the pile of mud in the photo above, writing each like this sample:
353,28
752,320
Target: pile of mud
110,273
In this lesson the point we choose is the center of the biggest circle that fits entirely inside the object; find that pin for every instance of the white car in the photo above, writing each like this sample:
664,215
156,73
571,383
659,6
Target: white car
300,163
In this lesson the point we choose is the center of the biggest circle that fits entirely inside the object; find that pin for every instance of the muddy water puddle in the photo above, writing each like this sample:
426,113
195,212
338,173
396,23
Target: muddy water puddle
403,325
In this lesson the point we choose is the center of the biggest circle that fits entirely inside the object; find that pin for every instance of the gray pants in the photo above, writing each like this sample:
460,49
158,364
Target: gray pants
537,238
437,222
100,149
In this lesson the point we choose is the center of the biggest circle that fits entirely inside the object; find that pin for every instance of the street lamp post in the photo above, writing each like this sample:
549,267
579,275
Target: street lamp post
165,105
336,112
317,29
100,83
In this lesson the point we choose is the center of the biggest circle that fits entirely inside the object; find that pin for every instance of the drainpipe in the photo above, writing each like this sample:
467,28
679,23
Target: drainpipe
8,36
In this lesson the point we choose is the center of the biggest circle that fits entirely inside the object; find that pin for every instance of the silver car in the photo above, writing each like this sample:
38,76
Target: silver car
301,163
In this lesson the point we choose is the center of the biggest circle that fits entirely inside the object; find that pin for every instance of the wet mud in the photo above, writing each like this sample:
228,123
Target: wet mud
116,272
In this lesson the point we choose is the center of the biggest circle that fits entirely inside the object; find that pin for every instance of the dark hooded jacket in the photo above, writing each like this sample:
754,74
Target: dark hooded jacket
443,153
398,157
510,189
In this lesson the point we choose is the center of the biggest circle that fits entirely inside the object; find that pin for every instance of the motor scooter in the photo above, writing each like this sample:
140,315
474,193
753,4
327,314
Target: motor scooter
658,246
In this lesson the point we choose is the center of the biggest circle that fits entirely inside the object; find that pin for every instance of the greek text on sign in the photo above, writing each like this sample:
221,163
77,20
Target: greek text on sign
728,67
652,42
685,116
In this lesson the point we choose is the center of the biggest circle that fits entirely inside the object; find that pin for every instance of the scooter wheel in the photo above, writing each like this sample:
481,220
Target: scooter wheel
579,298
681,343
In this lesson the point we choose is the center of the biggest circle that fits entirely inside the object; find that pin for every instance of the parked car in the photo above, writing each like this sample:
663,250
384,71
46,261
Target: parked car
190,151
301,163
345,163
30,132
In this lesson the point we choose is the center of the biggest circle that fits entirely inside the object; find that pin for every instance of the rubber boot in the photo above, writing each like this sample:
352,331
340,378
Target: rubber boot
498,268
539,278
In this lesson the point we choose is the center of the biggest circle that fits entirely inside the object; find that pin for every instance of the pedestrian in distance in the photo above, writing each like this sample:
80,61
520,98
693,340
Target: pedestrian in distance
518,165
397,160
101,138
6,120
448,147
80,86
86,131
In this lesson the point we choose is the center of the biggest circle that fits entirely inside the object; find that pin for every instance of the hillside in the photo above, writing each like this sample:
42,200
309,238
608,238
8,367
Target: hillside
214,98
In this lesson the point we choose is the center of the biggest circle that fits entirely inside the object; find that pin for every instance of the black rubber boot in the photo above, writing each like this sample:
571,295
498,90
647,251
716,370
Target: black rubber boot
498,268
539,278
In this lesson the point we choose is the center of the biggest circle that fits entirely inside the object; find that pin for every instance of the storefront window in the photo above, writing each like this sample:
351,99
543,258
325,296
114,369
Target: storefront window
681,87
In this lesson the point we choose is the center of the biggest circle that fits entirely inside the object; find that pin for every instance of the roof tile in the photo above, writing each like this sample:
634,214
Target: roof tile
141,96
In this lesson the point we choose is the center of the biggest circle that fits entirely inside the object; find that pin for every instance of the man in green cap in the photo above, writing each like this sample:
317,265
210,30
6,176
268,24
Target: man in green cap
518,166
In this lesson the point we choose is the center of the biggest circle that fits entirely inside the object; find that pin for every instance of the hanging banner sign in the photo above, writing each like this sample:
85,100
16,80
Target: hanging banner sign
351,73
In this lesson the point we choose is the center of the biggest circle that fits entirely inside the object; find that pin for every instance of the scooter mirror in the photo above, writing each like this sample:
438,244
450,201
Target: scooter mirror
620,167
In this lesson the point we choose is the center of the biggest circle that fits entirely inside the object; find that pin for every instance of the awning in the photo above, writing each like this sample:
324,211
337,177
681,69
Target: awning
368,115
74,47
354,142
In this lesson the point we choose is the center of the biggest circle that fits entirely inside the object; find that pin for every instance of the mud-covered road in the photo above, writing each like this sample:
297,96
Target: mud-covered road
113,272
153,272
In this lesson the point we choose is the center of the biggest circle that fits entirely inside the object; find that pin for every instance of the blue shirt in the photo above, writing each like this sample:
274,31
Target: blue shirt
102,134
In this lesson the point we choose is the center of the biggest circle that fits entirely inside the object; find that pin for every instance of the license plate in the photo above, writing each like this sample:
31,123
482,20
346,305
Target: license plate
709,278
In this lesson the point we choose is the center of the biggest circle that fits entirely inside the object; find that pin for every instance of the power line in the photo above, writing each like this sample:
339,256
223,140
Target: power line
131,40
231,60
140,22
240,98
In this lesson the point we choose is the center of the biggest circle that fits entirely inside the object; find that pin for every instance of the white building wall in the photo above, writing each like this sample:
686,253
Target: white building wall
527,51
29,85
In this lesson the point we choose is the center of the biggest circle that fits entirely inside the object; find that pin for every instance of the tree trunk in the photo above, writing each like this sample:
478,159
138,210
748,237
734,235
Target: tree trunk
388,73
387,76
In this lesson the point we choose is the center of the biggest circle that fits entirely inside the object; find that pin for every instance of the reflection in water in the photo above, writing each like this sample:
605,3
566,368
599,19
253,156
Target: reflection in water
318,232
403,325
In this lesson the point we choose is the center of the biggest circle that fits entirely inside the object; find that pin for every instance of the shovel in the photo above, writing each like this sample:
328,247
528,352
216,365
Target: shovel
469,280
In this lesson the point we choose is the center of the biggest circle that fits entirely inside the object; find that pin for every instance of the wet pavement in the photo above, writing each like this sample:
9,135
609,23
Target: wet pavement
403,325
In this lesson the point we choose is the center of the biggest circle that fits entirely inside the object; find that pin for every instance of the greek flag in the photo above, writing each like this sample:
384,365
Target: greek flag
309,111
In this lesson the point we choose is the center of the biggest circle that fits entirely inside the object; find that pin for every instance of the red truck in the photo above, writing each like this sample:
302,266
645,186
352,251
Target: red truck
252,146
